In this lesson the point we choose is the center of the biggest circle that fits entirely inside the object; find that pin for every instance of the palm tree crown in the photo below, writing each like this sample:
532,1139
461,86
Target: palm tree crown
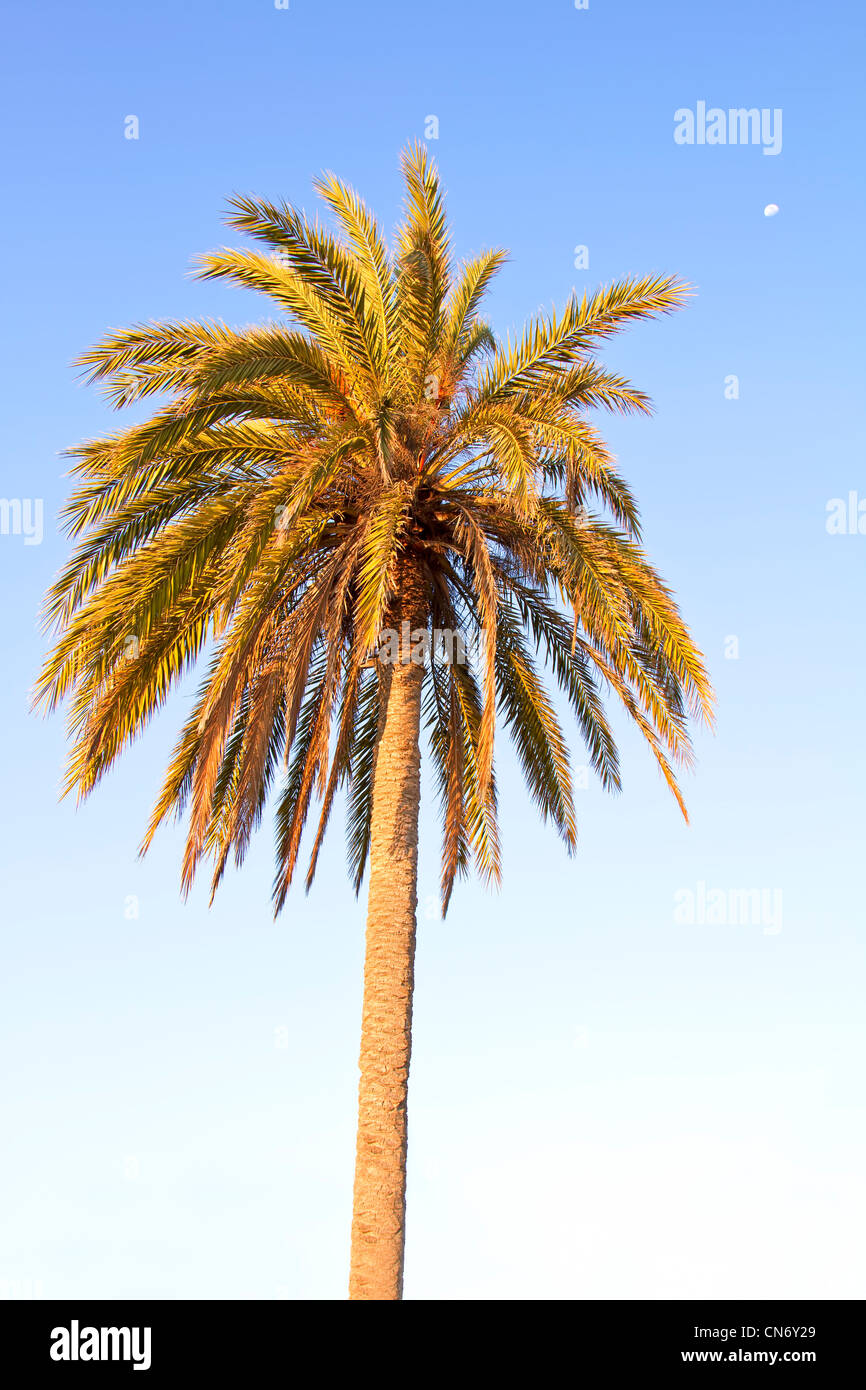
374,457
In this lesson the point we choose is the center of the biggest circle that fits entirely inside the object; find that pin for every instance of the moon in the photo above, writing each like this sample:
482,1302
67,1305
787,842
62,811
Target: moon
771,209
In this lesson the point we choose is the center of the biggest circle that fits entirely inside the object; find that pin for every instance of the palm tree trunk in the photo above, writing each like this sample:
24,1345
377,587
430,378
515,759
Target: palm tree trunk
378,1219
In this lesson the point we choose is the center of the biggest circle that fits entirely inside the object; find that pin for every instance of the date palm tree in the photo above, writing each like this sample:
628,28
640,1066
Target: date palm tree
372,462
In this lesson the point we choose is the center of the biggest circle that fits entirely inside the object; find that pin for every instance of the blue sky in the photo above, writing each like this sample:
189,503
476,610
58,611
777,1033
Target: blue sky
607,1101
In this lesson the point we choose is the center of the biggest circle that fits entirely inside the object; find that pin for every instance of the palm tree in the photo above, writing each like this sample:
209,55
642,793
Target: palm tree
316,499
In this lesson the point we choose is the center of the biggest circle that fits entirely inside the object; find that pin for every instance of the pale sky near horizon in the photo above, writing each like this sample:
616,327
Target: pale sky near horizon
607,1099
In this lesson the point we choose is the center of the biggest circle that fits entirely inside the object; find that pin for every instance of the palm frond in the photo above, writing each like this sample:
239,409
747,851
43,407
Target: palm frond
370,453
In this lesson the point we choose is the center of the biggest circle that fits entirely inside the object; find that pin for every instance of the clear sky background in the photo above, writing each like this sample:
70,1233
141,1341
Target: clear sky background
605,1101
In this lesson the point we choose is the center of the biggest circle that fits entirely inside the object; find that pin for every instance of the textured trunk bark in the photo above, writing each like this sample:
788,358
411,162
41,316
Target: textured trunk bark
378,1219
